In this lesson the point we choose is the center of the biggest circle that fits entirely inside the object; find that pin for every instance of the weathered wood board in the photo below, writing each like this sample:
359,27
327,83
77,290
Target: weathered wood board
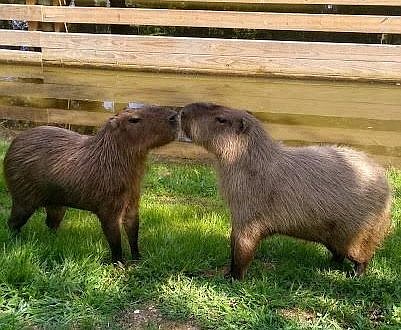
224,56
204,18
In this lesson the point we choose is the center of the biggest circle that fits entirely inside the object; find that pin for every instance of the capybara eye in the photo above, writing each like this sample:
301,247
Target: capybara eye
221,120
134,120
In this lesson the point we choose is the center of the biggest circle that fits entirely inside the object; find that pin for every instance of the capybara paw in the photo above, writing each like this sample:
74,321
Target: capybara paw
360,268
235,275
119,264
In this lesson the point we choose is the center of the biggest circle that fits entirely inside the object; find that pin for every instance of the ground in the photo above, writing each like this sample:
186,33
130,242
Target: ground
64,280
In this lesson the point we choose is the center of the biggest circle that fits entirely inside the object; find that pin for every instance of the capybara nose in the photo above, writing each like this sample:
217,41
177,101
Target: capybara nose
173,118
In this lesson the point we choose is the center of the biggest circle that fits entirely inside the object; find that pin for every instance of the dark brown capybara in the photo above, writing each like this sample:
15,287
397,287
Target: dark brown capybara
332,195
55,168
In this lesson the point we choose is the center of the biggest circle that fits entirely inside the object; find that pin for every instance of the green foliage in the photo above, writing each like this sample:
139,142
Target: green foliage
64,279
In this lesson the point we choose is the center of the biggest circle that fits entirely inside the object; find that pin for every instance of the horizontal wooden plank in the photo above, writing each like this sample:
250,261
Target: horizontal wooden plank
17,56
223,64
333,135
13,72
292,2
204,46
223,88
278,131
204,18
384,145
190,152
302,98
56,116
245,57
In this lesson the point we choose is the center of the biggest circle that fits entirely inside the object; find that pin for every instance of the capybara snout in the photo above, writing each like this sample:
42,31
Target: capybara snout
55,168
332,195
150,126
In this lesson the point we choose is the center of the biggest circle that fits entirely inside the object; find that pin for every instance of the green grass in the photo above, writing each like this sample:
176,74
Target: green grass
64,280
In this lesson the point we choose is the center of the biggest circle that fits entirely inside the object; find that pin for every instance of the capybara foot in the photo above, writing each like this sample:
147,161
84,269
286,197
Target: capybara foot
18,218
236,273
119,264
360,268
54,216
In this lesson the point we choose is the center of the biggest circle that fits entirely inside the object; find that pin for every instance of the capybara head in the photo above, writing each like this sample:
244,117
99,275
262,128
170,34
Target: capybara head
217,128
147,127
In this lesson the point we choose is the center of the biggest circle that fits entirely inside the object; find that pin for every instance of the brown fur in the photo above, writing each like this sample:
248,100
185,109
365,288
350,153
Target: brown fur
332,195
55,168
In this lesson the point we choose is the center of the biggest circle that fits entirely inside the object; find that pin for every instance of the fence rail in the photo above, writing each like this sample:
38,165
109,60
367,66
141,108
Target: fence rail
247,57
205,18
291,2
210,55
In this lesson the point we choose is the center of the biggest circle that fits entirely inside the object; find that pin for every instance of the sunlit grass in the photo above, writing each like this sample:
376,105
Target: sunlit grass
64,280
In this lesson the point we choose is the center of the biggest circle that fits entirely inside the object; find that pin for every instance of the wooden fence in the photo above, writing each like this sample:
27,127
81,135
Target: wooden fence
212,55
365,116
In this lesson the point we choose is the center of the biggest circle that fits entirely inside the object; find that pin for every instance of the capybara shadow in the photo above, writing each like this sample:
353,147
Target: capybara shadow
331,195
56,168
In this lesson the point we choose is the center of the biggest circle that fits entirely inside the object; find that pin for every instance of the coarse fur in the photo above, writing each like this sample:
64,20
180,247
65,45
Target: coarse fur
55,168
332,195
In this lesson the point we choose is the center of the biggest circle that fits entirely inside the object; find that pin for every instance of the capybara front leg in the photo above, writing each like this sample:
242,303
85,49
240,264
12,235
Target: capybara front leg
55,215
360,268
243,246
19,217
111,229
131,226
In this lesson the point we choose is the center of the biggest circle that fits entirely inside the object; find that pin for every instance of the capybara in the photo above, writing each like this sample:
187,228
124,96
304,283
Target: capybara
55,168
332,195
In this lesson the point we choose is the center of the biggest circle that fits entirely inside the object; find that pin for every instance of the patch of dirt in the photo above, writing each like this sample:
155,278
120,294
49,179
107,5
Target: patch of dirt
149,317
297,314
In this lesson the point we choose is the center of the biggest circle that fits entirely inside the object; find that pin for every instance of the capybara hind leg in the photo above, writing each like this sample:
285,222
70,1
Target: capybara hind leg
19,217
131,226
243,246
55,215
111,229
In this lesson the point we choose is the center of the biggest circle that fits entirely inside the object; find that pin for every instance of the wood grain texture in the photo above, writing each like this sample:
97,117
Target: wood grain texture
205,18
56,116
217,64
204,46
17,56
293,2
227,56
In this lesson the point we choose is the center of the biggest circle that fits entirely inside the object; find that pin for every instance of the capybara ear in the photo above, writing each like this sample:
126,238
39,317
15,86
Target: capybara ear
243,125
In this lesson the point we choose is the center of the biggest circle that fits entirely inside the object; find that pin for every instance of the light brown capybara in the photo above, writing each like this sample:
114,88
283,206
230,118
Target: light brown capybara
55,168
332,195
